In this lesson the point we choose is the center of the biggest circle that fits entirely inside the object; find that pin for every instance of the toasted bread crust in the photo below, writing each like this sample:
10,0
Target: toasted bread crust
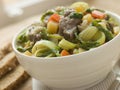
5,49
14,79
12,75
8,63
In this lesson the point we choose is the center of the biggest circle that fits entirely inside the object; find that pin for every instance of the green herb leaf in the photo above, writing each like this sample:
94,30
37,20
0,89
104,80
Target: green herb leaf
22,37
89,10
43,33
21,49
76,15
88,44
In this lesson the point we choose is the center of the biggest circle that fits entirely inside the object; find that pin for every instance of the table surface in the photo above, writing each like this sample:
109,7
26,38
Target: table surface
9,31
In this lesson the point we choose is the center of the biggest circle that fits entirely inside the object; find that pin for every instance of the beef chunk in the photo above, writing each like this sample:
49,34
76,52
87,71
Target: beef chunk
70,34
68,26
35,32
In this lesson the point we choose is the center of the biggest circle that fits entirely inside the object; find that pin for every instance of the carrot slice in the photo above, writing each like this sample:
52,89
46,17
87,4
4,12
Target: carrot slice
64,53
98,14
54,17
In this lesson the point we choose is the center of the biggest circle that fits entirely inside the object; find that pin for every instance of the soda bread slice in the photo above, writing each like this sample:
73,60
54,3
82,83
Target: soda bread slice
8,63
5,49
13,79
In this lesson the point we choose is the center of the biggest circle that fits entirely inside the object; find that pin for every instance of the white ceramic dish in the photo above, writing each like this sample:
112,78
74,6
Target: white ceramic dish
75,70
111,82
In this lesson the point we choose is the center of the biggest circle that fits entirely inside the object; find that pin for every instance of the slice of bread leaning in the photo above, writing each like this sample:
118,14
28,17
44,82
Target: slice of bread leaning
11,73
5,48
8,63
12,80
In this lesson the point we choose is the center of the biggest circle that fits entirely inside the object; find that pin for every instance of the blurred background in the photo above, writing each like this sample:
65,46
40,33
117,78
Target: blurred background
15,10
12,11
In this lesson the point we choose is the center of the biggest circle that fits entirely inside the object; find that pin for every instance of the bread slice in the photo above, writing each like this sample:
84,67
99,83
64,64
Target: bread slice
5,49
13,79
8,63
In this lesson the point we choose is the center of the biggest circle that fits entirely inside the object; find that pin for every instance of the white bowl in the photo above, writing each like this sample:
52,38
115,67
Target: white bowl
80,70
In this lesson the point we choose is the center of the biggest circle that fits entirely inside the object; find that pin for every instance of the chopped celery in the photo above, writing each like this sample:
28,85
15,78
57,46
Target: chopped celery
55,36
116,30
79,50
64,44
43,44
113,21
99,37
88,33
107,33
97,40
51,55
43,52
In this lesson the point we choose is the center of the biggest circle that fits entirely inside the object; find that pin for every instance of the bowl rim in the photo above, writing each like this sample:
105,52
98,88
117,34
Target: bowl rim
62,57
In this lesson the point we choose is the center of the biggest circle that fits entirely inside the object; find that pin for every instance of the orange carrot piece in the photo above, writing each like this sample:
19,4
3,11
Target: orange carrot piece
64,53
54,17
98,14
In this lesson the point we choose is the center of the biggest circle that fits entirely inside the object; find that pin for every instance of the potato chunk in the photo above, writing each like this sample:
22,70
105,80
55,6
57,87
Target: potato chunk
52,27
